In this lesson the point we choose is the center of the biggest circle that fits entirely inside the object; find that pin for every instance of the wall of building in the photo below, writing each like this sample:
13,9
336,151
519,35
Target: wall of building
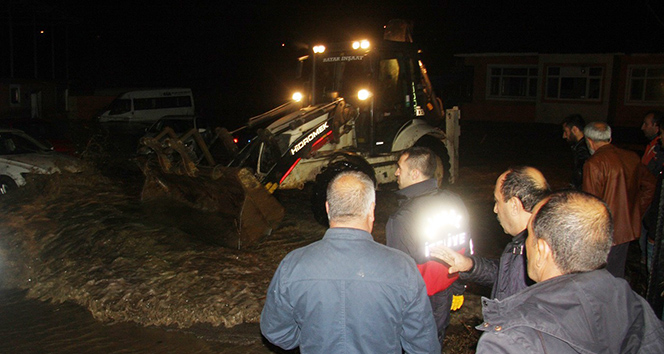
631,114
553,111
612,106
482,108
52,101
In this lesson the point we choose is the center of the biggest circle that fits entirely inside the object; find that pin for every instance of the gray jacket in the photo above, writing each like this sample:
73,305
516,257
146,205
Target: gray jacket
591,312
349,294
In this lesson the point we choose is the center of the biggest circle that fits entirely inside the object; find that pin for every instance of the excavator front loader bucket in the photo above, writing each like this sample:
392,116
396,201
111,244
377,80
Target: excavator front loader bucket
240,208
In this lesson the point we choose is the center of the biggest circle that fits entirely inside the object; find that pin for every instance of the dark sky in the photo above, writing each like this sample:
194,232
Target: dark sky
235,47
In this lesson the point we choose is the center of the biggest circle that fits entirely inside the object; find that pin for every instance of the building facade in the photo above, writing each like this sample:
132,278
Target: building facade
544,88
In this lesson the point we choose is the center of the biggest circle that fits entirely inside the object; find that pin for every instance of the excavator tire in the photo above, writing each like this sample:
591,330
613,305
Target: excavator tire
337,165
230,197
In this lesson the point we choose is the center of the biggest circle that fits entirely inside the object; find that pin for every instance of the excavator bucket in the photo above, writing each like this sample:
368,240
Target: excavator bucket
232,199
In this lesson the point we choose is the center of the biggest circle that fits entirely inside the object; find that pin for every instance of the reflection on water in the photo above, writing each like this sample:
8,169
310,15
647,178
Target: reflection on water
32,326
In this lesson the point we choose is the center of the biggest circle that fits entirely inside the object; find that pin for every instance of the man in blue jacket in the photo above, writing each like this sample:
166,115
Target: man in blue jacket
347,293
576,305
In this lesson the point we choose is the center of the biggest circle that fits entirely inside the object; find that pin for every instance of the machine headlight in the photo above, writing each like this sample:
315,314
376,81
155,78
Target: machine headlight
364,44
297,96
363,94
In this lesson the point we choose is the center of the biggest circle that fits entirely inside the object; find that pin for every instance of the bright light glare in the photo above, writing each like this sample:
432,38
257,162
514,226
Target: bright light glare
443,227
363,94
319,49
451,241
297,96
364,44
443,219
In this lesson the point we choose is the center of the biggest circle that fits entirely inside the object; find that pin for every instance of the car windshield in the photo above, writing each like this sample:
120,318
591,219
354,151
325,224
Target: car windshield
14,143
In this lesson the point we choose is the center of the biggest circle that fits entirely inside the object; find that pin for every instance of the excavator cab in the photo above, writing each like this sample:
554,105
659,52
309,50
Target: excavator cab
392,79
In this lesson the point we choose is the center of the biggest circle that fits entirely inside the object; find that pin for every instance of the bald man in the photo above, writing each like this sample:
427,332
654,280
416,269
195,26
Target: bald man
347,293
576,305
517,191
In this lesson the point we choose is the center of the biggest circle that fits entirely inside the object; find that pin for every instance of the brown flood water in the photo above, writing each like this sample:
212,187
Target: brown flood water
94,272
33,326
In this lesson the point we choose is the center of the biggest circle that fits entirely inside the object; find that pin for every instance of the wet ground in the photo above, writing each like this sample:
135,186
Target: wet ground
87,268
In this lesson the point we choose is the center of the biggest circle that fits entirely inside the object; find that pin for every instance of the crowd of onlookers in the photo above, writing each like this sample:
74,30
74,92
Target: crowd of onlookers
557,287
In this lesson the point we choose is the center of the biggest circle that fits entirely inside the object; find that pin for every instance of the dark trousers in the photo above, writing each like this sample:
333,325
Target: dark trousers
441,302
615,263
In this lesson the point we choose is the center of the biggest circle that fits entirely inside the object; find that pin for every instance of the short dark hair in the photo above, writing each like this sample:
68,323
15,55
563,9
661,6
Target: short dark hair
422,159
578,228
574,120
657,117
519,182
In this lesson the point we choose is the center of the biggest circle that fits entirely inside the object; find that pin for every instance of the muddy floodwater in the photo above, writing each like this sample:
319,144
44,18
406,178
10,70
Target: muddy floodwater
85,267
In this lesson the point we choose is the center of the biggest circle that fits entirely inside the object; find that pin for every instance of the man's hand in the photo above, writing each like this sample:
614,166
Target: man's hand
456,261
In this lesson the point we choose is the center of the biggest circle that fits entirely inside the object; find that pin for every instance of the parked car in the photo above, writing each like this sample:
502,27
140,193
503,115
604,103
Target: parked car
21,154
50,133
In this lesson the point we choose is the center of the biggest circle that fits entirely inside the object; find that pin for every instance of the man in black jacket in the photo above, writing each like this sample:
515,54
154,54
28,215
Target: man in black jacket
420,220
517,191
573,133
576,305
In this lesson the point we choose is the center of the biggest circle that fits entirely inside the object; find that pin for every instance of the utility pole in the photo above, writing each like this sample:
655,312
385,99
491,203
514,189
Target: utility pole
34,39
11,40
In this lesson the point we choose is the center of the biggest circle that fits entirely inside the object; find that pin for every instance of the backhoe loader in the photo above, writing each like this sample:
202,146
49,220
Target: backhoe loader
359,105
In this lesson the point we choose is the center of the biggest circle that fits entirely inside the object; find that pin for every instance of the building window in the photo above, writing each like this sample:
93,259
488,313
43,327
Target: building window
512,82
14,95
574,82
646,84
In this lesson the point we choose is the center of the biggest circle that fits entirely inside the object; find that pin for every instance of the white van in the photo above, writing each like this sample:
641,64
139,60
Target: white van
149,105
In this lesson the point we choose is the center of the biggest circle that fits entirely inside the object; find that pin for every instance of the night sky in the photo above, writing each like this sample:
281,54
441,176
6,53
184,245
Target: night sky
244,51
